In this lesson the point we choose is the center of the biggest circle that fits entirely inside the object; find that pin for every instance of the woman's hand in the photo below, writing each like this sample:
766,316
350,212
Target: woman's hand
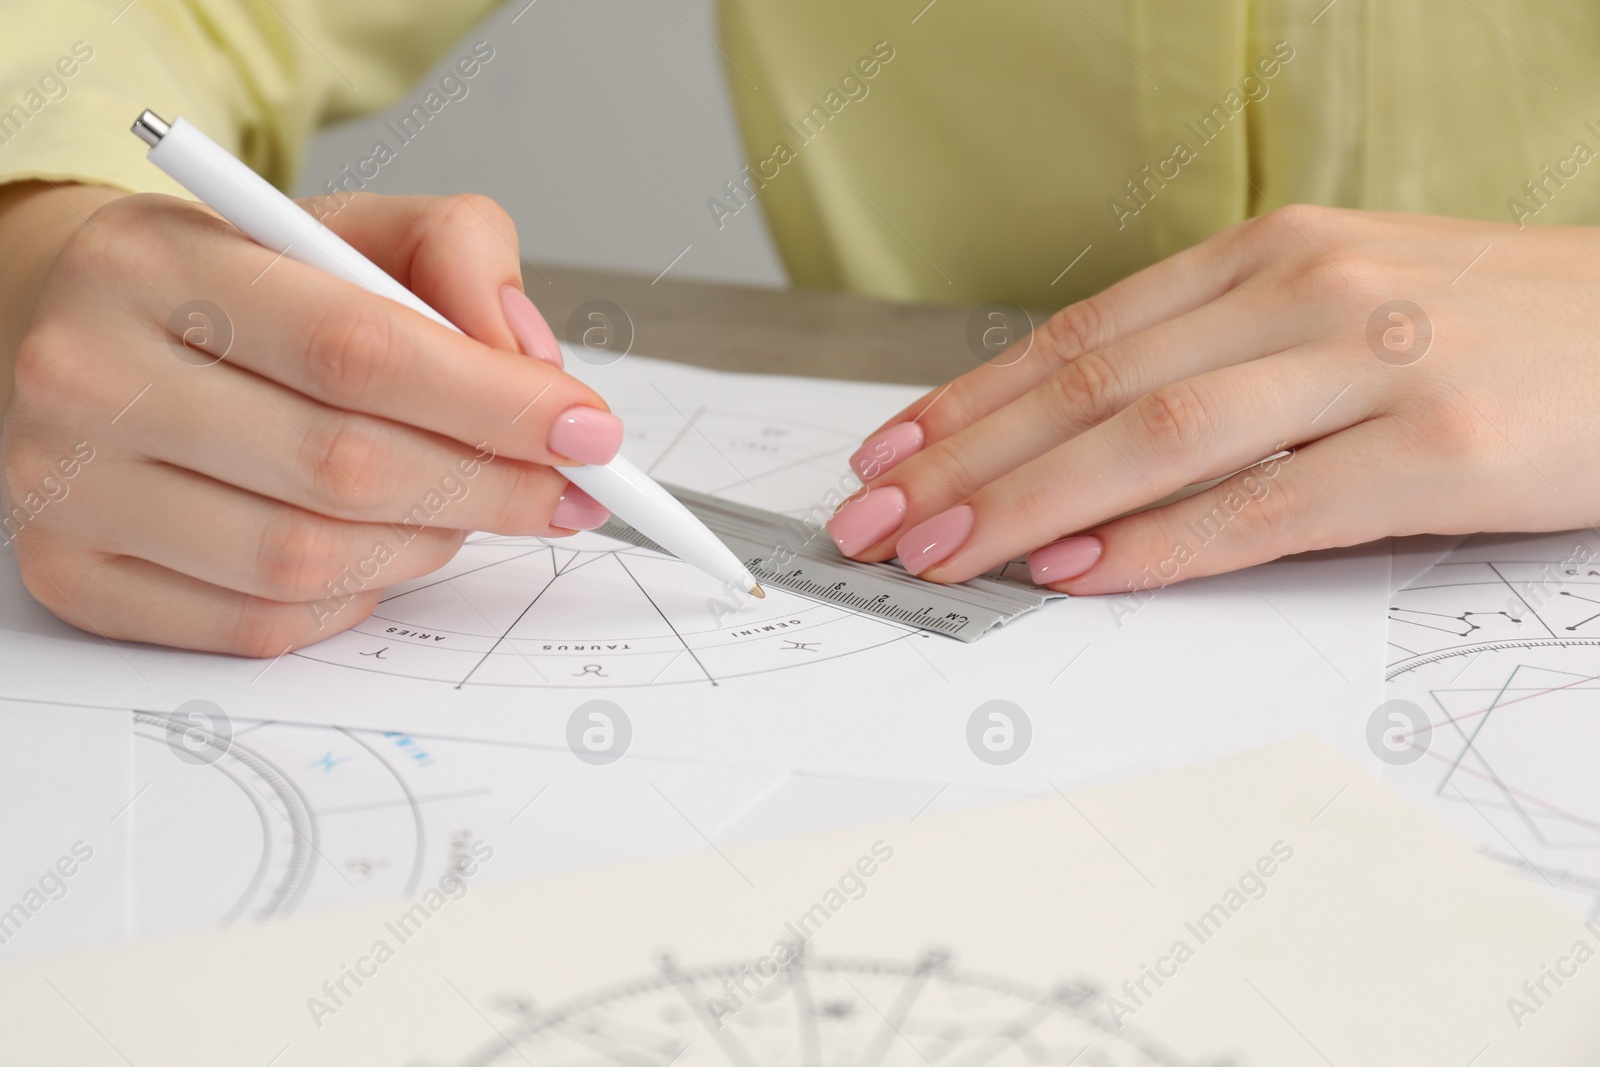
1430,374
213,446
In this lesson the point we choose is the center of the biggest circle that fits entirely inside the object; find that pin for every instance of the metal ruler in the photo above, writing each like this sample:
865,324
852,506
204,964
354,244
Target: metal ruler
784,552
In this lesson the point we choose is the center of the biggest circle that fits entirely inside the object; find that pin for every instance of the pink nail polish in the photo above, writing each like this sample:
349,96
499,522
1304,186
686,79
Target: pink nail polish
577,510
1063,560
864,522
528,326
884,450
587,435
935,540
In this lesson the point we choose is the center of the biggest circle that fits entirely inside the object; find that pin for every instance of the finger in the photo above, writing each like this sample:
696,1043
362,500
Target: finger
350,349
230,538
243,430
127,599
533,334
1173,287
1341,490
1237,328
458,253
1176,436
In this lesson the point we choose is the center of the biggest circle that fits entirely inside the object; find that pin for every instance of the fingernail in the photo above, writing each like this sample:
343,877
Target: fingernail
1064,559
587,435
868,520
883,450
935,539
577,510
533,334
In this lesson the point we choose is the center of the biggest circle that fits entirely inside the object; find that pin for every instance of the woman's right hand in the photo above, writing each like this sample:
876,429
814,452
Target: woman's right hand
213,446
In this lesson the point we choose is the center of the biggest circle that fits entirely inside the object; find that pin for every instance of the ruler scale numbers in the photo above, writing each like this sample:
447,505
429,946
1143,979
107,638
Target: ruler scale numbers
812,567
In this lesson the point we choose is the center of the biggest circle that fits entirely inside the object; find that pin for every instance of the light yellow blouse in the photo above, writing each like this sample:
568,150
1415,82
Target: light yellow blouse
963,150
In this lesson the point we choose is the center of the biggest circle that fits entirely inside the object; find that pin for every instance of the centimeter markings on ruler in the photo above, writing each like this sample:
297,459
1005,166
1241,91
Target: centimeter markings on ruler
784,552
883,605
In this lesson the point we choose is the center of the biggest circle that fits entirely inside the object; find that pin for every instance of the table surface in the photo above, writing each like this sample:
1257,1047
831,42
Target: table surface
774,331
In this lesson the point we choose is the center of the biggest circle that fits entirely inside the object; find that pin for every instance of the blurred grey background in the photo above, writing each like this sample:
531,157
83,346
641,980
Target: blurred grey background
603,126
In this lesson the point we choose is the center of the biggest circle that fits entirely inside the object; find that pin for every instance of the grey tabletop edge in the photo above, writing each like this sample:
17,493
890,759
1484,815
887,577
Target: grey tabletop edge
805,332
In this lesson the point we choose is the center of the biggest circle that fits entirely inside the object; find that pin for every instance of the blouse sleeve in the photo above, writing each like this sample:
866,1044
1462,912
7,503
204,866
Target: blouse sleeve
259,76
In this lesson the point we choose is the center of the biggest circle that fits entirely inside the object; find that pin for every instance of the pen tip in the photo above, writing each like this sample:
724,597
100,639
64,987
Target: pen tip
758,592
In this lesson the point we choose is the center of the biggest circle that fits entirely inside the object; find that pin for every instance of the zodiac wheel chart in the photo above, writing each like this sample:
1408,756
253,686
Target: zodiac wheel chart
267,807
588,611
823,1012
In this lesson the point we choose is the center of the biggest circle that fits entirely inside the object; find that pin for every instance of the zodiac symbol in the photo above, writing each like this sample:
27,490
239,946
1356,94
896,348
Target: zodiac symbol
328,763
365,867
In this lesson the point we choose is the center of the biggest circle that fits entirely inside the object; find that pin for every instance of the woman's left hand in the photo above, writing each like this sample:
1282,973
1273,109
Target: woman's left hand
1431,375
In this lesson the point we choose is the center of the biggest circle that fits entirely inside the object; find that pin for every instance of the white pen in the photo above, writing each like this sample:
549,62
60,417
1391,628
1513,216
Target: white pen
268,217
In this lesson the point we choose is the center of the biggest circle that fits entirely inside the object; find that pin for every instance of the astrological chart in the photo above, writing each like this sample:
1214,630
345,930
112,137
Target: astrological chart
589,612
821,1012
271,817
1497,647
1494,594
231,822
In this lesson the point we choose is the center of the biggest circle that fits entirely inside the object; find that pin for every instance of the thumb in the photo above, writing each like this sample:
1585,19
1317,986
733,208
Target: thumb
458,253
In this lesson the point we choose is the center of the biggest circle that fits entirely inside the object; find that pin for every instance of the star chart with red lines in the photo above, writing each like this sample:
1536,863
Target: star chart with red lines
1498,645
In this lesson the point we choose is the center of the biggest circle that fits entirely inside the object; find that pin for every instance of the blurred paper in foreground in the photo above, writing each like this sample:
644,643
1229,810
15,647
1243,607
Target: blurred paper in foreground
1278,908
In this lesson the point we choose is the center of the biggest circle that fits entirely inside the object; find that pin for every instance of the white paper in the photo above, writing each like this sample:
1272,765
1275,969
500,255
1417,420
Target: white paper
286,818
294,818
67,804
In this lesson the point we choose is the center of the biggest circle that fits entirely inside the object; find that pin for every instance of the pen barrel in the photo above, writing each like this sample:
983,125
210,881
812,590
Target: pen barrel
641,502
269,218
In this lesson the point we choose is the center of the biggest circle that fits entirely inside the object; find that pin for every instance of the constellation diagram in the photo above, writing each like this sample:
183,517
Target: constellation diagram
1497,648
590,612
1493,595
820,1012
1507,757
282,817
